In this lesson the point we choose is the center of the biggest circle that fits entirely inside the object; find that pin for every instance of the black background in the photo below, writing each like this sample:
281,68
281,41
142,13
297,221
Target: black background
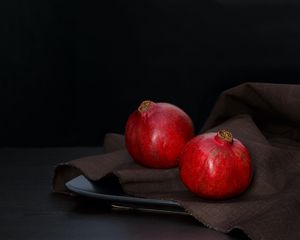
73,70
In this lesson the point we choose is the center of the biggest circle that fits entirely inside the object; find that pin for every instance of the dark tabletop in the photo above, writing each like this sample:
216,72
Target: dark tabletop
29,210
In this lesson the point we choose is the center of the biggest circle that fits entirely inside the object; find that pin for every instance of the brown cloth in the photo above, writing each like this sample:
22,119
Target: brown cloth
266,118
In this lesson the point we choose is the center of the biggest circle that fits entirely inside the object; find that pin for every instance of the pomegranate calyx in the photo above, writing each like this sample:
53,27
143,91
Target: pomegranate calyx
225,135
144,106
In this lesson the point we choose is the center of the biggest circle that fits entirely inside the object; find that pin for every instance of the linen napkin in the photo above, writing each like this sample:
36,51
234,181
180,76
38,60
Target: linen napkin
266,118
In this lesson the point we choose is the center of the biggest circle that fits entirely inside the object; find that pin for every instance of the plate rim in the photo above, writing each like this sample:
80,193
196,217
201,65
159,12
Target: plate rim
116,198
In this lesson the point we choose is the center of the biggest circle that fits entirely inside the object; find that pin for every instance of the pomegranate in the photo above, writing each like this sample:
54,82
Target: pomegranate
156,133
215,165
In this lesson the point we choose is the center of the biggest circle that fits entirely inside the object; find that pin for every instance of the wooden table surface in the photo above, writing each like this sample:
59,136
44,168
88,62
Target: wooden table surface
28,209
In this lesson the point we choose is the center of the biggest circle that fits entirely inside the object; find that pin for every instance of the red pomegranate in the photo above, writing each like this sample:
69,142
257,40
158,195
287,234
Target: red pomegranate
215,165
156,133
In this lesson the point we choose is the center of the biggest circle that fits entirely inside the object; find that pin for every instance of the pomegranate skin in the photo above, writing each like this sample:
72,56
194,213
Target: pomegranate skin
214,167
156,133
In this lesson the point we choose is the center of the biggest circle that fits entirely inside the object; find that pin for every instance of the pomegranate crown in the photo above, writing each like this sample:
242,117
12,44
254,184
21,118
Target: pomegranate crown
144,106
225,135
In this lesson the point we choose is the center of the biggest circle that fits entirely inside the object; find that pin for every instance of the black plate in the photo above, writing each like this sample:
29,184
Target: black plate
108,189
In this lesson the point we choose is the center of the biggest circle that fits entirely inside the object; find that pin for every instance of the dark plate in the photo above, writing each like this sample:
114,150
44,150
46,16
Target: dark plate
108,189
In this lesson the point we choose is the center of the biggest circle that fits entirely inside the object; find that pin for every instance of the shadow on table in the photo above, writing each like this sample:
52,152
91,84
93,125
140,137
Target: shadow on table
86,206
